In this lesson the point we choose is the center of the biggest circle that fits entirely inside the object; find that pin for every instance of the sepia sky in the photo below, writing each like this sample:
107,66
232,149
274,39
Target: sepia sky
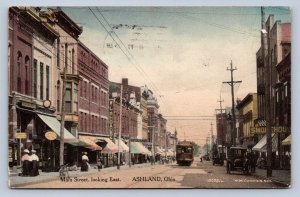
181,53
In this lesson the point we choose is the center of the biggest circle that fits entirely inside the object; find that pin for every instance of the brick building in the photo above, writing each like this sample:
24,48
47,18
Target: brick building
93,93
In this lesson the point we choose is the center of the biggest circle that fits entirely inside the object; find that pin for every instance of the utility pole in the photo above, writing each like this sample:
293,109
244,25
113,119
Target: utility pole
129,134
211,139
165,145
222,124
62,124
120,128
268,74
152,139
233,121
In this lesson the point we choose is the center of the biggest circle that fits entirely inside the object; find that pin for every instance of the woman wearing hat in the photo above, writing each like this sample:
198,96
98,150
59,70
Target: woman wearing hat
26,163
35,163
85,160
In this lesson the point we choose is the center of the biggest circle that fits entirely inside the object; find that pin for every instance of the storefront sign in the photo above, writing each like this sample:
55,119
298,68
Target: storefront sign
28,105
50,135
21,135
73,118
262,130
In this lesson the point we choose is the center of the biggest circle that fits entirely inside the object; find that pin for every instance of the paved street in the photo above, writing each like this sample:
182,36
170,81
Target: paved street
199,175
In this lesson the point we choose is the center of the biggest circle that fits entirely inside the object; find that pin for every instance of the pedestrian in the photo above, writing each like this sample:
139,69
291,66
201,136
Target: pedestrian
34,163
99,164
252,160
201,158
25,163
133,159
84,164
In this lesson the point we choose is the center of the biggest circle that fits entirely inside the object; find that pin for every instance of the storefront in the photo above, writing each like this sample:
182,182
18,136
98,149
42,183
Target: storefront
109,151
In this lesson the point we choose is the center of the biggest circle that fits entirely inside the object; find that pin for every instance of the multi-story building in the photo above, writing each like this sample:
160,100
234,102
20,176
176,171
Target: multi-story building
283,109
93,93
152,109
161,137
221,126
38,56
137,99
277,42
247,114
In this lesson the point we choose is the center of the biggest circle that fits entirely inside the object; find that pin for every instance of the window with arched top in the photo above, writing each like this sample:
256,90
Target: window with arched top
19,55
27,60
19,82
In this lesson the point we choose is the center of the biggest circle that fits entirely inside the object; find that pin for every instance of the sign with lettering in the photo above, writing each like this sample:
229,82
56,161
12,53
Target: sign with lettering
21,135
28,105
262,130
50,135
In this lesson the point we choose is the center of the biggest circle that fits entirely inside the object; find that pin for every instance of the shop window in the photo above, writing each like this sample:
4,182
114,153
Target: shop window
68,98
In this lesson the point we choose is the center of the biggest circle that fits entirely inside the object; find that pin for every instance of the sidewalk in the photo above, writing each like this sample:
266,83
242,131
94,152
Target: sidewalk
15,181
279,176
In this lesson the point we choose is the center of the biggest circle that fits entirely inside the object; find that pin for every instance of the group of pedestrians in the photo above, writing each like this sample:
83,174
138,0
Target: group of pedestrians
30,163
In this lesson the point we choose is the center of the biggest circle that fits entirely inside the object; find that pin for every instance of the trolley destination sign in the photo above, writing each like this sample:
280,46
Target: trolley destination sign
262,130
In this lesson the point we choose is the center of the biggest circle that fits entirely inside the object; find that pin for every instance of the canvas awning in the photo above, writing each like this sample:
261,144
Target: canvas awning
143,148
137,148
110,146
261,146
123,146
287,141
55,125
90,142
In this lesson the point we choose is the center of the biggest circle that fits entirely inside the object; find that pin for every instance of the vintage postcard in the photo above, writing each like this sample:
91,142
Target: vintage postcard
149,97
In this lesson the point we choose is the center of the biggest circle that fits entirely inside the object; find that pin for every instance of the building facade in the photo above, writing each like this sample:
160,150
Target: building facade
247,114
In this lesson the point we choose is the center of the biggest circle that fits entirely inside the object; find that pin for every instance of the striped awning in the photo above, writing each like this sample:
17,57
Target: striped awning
90,142
110,147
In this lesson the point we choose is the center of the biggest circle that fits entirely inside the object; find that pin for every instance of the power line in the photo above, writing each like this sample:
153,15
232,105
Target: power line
139,68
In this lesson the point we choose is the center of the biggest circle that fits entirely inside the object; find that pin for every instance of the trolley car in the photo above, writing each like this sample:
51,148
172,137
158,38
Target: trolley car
184,153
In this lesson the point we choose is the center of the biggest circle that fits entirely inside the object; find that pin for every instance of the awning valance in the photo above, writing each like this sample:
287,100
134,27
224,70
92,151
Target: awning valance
262,144
138,148
142,147
123,146
90,142
110,146
55,125
287,141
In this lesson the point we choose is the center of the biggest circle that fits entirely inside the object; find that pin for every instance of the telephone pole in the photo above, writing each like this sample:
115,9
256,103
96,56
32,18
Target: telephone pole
268,74
222,124
211,139
120,128
62,124
233,121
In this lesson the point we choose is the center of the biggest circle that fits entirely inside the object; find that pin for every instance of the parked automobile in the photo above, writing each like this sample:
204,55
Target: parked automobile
237,160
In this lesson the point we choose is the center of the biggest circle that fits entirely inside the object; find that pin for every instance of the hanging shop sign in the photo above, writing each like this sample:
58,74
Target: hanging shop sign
262,130
50,135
